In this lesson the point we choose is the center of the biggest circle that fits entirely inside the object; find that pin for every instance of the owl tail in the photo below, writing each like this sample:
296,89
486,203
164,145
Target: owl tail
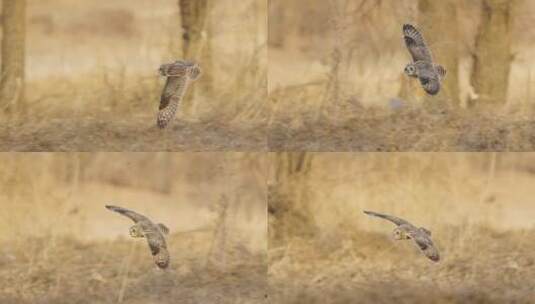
162,122
164,117
166,114
161,259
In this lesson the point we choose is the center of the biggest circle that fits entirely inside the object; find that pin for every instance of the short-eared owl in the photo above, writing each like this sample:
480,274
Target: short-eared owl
422,65
179,76
406,231
154,233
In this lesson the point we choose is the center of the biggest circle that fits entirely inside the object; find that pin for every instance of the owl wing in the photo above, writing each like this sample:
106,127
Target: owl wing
172,85
441,71
173,92
163,229
158,247
136,217
430,84
425,244
393,219
416,44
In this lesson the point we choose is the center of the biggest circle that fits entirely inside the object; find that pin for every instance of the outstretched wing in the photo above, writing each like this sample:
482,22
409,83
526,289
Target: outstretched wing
158,248
136,217
173,92
163,228
425,244
416,44
393,219
441,71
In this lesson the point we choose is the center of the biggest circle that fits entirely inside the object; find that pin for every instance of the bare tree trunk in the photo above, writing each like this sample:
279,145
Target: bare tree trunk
278,26
13,51
193,15
288,209
217,257
206,59
195,46
492,57
438,24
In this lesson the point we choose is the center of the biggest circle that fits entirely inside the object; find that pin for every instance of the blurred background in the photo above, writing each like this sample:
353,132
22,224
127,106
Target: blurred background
92,70
479,208
60,245
337,67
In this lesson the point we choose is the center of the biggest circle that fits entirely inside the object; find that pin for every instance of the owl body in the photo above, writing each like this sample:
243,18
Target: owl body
401,232
179,76
181,68
153,233
174,91
422,66
406,231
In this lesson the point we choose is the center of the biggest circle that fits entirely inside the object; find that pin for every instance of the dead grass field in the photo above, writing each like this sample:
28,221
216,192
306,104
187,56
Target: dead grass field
60,245
412,128
334,84
92,80
478,207
492,267
104,133
65,270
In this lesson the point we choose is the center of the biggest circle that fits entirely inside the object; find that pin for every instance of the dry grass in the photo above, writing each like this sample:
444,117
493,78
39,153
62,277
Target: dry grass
60,245
66,270
480,266
93,87
334,83
410,128
105,133
478,207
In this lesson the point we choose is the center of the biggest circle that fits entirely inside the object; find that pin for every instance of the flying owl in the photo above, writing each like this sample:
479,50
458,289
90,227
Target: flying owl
179,76
422,65
154,233
407,231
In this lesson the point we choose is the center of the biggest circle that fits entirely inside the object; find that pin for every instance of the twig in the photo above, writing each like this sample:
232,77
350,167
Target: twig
125,273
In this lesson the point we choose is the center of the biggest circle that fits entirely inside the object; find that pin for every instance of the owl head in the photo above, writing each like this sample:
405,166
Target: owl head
399,234
181,68
164,69
161,259
410,70
136,231
194,71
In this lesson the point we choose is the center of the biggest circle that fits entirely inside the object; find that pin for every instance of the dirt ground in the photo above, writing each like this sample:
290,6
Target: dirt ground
411,129
102,133
371,268
65,270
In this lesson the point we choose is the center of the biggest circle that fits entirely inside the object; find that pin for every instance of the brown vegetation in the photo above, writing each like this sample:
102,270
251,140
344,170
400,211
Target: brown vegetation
60,245
337,84
492,56
94,87
477,206
13,53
